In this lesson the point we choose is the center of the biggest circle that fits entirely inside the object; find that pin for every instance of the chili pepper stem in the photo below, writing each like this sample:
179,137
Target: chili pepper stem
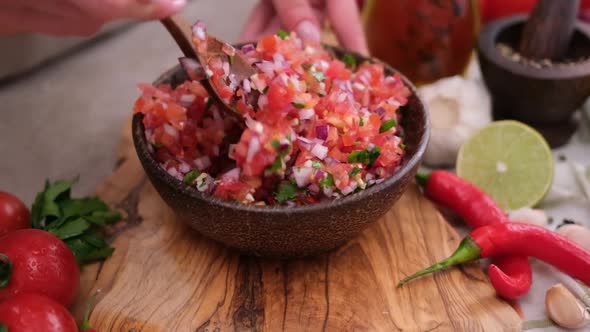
89,307
5,270
421,179
467,251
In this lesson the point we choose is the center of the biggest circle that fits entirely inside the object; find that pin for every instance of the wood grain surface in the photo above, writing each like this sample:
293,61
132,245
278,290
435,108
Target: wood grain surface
165,277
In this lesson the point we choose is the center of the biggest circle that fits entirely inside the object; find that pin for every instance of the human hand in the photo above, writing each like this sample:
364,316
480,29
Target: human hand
305,18
77,17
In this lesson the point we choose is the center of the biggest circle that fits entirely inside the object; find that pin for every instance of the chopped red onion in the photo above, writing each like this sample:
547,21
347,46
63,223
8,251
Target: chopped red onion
321,132
232,174
246,85
314,188
168,129
319,175
304,140
306,113
202,163
328,191
253,148
187,100
380,111
331,161
302,176
320,151
184,167
248,48
262,101
349,189
200,30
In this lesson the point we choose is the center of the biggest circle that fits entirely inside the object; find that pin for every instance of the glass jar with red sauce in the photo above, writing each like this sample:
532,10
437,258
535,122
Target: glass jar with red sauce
424,39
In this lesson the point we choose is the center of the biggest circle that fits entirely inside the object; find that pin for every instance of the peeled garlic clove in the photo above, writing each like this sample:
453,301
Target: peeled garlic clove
577,234
529,216
564,308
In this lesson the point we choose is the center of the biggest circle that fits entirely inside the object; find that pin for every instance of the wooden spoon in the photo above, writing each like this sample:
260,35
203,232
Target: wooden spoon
549,29
215,48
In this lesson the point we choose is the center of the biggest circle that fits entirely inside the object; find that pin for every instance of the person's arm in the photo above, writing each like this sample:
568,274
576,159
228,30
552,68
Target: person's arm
77,17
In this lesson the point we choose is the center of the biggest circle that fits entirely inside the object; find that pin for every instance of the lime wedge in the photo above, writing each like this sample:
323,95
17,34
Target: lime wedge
510,161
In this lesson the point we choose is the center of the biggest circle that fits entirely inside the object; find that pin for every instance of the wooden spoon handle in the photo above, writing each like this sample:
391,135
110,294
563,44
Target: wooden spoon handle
549,29
181,32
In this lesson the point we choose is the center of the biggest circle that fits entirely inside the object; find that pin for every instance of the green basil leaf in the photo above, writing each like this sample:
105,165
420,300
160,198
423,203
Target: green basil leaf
354,172
94,239
98,254
102,218
71,229
82,206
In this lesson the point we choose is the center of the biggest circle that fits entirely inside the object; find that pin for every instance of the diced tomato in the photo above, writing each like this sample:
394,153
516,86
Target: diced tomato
338,70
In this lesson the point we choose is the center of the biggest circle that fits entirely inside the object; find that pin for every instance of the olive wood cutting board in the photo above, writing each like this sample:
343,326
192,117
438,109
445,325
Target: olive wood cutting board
165,277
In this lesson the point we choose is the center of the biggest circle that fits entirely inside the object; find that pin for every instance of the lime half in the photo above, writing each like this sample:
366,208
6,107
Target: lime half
510,161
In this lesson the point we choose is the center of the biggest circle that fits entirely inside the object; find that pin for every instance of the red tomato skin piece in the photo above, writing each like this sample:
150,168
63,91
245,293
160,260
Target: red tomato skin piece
30,312
14,214
41,263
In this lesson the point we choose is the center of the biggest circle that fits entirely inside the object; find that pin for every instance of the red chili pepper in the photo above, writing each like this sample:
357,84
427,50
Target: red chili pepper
511,276
518,239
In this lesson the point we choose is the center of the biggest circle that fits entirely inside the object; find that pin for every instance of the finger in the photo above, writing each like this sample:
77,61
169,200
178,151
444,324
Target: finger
257,22
271,28
143,10
63,9
298,16
29,20
345,19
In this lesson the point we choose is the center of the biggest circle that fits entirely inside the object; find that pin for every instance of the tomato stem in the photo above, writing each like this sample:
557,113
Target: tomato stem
467,251
5,271
3,328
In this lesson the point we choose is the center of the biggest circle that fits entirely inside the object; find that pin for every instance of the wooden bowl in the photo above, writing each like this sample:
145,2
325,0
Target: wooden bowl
544,98
284,231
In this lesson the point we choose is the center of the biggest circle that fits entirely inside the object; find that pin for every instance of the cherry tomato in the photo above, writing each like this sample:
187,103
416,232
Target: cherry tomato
41,263
495,9
13,214
28,312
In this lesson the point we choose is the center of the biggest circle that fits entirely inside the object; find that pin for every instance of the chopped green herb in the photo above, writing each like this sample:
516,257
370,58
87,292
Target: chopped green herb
265,90
286,192
282,34
328,181
307,66
318,75
350,61
354,172
275,144
385,126
191,176
361,121
402,146
364,156
316,164
208,104
298,105
276,165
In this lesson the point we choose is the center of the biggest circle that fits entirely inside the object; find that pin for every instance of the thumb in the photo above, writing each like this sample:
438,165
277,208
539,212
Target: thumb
298,16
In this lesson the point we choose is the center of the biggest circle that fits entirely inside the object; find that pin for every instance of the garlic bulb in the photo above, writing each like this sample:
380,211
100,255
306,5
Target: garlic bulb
529,216
565,309
457,107
577,234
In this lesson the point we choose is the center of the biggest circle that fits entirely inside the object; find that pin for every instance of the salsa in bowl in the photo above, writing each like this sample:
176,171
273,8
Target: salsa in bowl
329,141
